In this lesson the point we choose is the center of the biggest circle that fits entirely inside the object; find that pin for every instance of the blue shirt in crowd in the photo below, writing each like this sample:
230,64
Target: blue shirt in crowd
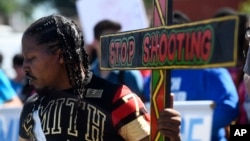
213,84
131,78
6,90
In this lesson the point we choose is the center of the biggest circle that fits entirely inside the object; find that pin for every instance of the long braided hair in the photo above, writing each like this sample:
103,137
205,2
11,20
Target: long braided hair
62,33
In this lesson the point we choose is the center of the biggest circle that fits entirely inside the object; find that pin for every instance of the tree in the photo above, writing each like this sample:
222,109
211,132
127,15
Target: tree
65,7
245,6
9,7
6,8
68,7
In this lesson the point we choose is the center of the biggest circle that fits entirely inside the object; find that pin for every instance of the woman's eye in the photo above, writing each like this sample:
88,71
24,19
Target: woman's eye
29,59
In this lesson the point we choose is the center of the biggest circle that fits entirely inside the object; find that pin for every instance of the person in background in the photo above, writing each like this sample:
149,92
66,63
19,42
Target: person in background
236,72
8,96
19,82
71,102
131,78
246,71
213,84
90,49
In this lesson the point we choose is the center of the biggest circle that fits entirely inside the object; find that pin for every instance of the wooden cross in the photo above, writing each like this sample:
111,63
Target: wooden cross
201,44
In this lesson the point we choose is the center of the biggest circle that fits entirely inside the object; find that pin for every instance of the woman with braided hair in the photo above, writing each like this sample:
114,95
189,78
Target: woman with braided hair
71,103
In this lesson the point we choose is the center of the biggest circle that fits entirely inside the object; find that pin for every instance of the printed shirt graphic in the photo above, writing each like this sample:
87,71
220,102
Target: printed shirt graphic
104,114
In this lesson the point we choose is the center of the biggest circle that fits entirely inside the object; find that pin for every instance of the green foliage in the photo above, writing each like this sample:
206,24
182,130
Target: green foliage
245,6
65,7
7,6
148,4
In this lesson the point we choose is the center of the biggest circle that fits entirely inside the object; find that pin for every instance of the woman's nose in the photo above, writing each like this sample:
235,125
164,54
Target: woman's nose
25,66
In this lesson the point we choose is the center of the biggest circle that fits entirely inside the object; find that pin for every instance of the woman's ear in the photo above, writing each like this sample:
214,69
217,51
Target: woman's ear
60,56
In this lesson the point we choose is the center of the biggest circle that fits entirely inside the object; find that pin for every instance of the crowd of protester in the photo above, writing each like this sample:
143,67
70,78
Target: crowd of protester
225,86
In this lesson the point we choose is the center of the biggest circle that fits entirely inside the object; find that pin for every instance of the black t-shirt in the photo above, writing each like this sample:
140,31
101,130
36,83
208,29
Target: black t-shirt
104,110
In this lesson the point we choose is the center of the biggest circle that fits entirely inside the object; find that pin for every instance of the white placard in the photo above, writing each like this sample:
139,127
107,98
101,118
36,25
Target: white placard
130,14
196,119
9,123
10,44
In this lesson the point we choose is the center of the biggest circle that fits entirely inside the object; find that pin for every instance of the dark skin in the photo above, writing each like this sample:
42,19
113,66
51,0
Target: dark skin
47,69
169,122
